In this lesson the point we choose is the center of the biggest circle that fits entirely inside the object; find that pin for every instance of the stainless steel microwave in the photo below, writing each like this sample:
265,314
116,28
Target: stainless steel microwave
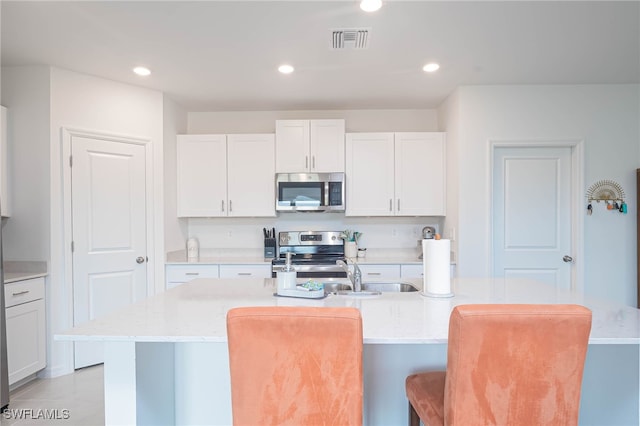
310,192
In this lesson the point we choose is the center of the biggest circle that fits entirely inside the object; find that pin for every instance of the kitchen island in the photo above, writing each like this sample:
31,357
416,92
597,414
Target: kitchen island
166,357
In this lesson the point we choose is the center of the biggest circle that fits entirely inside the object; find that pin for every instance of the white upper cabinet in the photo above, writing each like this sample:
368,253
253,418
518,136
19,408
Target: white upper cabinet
315,146
251,175
420,174
395,174
202,175
226,175
369,174
5,202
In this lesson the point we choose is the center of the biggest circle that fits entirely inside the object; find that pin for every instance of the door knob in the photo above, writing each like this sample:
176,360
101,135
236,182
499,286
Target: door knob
140,259
567,259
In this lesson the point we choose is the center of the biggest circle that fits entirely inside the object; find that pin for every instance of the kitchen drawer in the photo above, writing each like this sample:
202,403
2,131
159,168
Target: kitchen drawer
245,271
411,271
25,291
185,273
380,272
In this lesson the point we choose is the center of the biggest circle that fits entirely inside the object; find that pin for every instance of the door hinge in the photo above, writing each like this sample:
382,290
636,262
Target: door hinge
70,161
72,247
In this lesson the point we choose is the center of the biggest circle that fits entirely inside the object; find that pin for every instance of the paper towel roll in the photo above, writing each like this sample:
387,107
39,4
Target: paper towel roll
436,264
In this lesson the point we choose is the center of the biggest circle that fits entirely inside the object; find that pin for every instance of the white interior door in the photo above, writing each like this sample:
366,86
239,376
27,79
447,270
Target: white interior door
532,214
109,232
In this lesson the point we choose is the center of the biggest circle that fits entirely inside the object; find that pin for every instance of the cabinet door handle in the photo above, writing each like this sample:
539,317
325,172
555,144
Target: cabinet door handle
244,273
313,162
374,273
390,205
192,273
306,161
230,206
398,204
20,293
222,209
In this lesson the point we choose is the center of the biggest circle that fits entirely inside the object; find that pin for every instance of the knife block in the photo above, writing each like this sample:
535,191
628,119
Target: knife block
269,248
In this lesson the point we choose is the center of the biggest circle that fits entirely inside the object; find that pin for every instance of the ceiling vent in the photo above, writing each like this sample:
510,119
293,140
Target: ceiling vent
352,38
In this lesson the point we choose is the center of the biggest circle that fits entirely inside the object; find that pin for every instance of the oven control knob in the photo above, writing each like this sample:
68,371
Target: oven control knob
333,238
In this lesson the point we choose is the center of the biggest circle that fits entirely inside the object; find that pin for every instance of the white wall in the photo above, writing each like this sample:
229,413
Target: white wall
606,118
175,122
26,96
449,119
84,102
393,120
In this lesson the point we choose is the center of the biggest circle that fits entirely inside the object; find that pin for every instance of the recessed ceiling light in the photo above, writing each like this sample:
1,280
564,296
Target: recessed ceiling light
370,5
431,67
285,69
142,71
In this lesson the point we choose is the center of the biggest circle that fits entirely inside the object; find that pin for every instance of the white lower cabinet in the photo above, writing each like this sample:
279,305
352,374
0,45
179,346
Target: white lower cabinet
180,274
245,271
26,340
379,272
411,271
416,271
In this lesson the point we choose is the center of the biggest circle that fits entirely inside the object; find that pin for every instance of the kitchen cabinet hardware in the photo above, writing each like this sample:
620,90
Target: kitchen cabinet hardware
244,273
306,161
139,259
230,206
567,259
398,204
192,273
222,208
390,205
20,293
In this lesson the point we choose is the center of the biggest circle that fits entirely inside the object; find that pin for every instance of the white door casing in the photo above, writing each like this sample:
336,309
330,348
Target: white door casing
535,211
109,227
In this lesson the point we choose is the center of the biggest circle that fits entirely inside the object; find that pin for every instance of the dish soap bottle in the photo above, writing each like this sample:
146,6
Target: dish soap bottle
287,277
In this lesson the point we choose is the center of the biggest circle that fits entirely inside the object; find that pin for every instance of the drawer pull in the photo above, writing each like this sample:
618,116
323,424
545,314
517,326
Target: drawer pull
374,273
244,273
192,273
20,293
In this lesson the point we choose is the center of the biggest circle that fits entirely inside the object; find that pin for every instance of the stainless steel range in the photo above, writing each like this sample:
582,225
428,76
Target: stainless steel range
316,253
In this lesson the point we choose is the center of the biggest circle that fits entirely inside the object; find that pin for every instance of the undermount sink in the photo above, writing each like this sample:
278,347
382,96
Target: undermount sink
389,287
369,288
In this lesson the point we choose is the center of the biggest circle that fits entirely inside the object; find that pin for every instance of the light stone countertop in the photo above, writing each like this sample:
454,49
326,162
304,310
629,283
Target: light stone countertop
196,312
23,270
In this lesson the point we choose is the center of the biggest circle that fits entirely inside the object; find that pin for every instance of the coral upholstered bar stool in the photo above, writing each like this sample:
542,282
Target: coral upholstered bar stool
295,365
506,365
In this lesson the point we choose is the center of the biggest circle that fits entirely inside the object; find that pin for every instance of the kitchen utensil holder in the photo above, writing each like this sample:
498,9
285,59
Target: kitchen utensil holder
350,249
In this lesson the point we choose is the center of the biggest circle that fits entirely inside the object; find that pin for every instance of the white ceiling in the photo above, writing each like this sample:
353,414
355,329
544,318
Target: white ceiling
223,55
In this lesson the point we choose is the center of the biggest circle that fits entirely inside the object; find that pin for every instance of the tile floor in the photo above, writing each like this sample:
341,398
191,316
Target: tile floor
73,400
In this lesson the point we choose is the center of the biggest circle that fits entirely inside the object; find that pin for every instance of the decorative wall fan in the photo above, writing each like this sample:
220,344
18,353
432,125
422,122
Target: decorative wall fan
608,191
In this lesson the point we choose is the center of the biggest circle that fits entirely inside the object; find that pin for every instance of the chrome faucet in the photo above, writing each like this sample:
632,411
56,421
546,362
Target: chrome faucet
355,277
